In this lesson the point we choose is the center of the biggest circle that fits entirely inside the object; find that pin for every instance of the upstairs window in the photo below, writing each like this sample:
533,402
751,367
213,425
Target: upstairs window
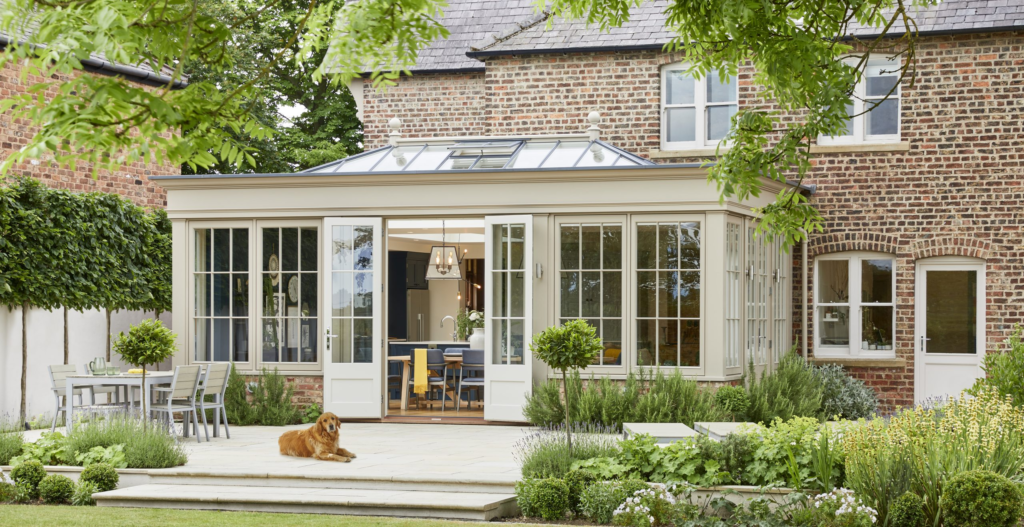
874,108
695,113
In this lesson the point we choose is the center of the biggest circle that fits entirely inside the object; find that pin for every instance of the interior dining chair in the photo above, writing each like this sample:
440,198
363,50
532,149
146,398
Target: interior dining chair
180,398
435,363
214,384
473,363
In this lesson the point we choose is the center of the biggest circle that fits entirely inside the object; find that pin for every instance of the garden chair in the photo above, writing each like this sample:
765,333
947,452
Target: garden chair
180,398
472,362
58,374
435,364
214,384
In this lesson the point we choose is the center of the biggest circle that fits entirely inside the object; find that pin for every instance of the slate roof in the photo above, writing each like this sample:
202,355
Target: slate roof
482,27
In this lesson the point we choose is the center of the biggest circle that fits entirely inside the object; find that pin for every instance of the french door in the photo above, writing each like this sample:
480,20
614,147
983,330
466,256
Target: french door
949,326
508,368
352,308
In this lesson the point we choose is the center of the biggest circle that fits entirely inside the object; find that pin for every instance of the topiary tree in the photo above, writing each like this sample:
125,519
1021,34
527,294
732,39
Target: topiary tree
567,347
149,342
102,475
980,497
56,489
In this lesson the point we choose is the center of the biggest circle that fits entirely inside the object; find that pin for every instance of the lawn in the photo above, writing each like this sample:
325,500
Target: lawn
113,516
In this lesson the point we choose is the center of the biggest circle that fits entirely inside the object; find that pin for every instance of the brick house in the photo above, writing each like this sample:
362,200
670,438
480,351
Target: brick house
563,169
87,334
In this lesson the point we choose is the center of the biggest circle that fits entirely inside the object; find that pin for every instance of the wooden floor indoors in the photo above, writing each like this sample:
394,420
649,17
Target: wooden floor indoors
425,411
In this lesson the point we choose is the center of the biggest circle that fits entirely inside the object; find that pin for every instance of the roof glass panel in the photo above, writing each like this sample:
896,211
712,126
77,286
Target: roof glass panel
397,158
485,148
602,158
624,161
532,154
362,163
566,154
491,163
458,163
429,159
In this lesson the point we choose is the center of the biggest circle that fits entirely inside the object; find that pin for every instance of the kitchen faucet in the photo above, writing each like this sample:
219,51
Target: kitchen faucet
455,334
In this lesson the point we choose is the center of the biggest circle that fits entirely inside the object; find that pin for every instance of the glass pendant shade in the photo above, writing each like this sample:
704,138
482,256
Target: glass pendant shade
444,263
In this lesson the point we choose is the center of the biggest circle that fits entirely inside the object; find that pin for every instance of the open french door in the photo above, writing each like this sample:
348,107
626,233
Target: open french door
352,309
509,291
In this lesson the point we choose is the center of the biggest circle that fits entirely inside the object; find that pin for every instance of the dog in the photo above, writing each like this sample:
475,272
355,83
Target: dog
319,441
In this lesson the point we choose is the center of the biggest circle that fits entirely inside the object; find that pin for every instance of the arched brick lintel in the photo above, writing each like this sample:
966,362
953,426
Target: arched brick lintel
952,246
852,241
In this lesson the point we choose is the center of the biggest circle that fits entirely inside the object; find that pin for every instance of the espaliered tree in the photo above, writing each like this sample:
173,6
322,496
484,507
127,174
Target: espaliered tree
566,348
32,272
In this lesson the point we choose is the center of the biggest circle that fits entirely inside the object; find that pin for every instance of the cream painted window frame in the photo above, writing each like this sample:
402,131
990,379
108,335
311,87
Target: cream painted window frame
626,270
853,259
299,368
635,220
735,300
700,106
190,331
859,135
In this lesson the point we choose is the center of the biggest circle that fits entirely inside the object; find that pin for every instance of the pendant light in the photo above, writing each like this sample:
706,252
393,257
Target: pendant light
444,260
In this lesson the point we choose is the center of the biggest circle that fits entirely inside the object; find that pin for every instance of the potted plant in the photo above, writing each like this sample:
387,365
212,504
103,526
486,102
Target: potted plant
470,322
147,343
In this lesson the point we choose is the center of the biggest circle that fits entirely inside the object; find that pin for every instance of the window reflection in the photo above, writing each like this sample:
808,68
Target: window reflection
591,282
290,294
221,295
668,277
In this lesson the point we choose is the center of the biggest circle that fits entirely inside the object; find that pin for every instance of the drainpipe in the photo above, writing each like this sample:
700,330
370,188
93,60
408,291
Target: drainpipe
803,298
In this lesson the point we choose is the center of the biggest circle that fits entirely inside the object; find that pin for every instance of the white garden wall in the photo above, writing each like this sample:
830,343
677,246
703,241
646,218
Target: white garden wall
87,332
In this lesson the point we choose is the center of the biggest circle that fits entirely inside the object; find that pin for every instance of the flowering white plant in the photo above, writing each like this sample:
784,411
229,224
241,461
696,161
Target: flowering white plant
843,504
646,507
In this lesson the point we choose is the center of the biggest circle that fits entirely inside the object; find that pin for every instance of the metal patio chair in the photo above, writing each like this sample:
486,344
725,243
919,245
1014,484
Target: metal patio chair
180,398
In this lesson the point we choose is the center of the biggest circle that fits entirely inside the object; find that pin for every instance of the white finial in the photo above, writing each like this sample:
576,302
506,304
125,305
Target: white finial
395,124
594,131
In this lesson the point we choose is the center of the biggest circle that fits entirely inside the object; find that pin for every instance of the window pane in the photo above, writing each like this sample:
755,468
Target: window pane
570,246
202,295
682,124
689,245
668,342
876,281
602,158
221,339
341,248
646,285
362,248
499,345
668,294
203,332
591,246
203,245
531,155
290,291
612,239
646,246
834,325
884,118
500,247
668,246
689,343
689,294
221,295
882,84
290,336
240,249
309,260
516,341
290,249
591,294
500,301
309,294
341,294
341,343
517,247
362,345
429,159
876,332
646,341
719,91
848,129
611,336
271,246
570,295
308,338
271,298
718,121
271,339
566,154
679,88
517,299
951,310
221,249
397,159
612,293
833,281
240,340
363,295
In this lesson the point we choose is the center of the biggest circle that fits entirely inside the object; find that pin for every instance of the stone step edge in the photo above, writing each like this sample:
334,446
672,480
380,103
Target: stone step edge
174,473
115,495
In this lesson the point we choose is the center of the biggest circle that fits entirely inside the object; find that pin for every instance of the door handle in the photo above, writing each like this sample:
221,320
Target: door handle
329,336
924,346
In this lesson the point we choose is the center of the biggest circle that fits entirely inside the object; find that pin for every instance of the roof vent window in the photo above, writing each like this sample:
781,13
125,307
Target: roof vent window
498,148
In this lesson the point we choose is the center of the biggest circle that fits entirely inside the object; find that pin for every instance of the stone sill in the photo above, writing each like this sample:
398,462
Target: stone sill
902,146
861,362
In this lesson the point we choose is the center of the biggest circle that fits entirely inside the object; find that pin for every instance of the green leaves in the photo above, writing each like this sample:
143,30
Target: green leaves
149,342
571,345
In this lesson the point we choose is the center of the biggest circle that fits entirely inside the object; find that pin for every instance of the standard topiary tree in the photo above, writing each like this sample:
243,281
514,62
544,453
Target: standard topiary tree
567,347
56,489
980,497
102,475
551,499
149,342
907,511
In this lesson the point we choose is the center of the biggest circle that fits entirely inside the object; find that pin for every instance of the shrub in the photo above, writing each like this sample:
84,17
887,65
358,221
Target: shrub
545,454
103,476
111,455
525,491
577,481
980,497
551,499
56,489
83,494
599,501
146,445
843,396
12,437
790,391
49,449
784,452
1002,370
236,400
24,492
29,473
737,455
907,511
733,399
311,413
272,401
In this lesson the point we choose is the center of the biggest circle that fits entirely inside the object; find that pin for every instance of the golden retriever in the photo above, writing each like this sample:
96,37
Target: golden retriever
319,441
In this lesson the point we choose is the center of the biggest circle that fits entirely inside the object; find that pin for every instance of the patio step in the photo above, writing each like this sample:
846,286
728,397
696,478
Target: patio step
483,483
362,502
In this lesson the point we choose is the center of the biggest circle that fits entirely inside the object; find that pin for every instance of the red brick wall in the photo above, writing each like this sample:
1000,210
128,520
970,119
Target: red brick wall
308,389
956,191
131,181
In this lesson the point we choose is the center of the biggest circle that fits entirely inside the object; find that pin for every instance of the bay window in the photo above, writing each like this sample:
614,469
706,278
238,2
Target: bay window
695,112
220,281
854,312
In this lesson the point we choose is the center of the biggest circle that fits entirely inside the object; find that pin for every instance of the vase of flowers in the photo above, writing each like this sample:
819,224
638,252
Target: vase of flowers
470,324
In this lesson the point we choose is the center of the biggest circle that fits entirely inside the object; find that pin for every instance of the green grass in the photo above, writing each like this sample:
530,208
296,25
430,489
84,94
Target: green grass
49,516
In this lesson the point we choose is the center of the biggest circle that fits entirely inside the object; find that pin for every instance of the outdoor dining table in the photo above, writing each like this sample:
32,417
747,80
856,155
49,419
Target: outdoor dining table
453,361
128,380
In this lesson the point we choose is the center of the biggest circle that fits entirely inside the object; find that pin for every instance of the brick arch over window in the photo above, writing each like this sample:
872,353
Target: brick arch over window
852,241
952,246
